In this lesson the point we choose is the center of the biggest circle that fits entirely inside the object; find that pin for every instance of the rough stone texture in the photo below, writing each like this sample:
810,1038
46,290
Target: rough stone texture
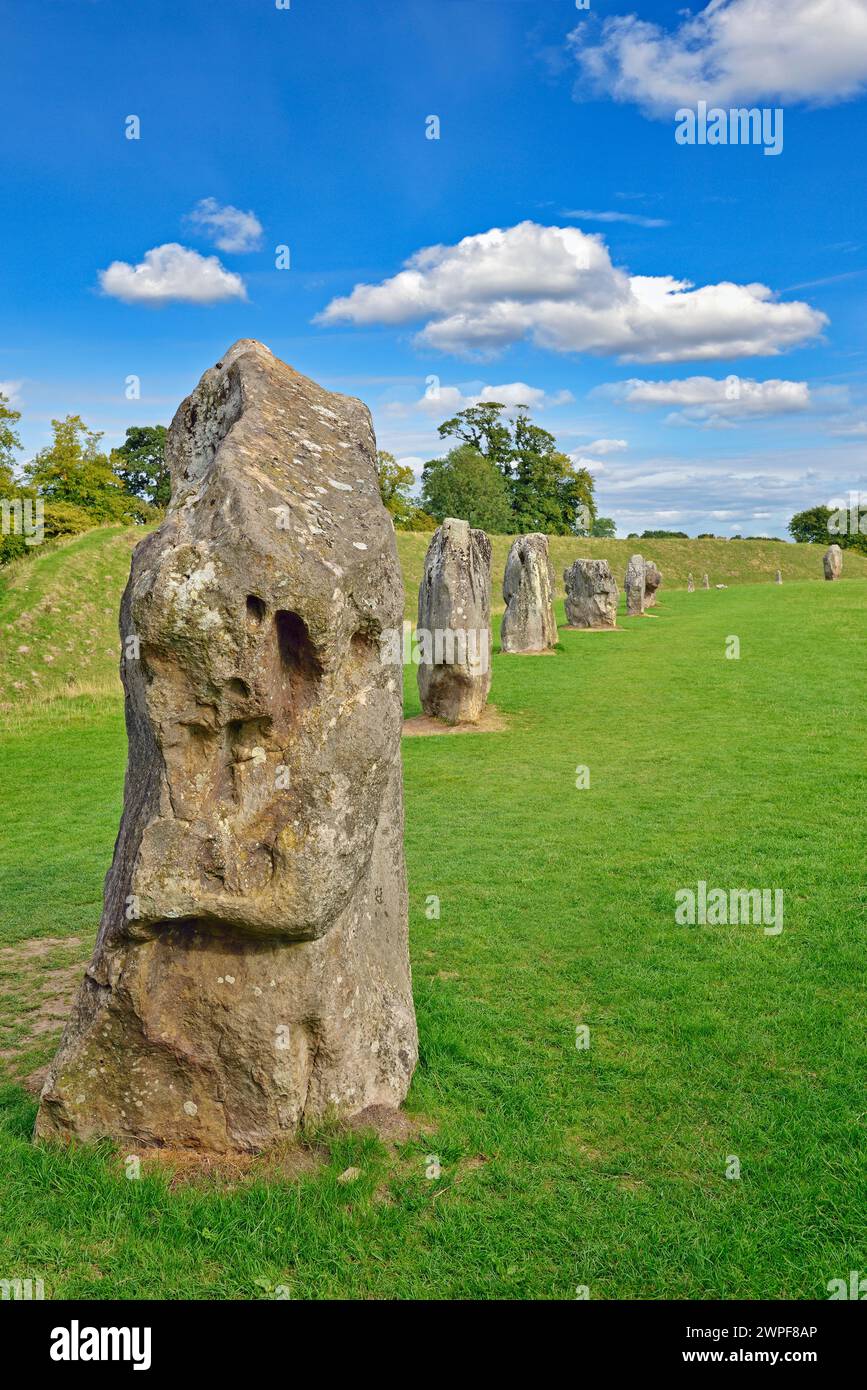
690,584
779,576
591,594
251,971
528,623
705,582
833,562
455,598
635,586
652,581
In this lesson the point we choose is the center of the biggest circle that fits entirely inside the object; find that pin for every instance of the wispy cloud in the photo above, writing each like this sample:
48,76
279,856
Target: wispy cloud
635,218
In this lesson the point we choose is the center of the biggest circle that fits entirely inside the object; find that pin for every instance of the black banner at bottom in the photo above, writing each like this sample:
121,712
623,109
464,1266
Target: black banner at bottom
65,1338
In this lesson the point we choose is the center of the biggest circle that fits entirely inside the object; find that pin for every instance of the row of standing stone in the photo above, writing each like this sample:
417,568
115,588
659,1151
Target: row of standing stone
455,599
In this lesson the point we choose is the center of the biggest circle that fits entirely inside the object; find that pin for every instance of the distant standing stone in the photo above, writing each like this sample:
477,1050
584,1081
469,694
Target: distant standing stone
652,581
779,576
706,582
833,562
690,584
528,624
591,594
635,585
454,624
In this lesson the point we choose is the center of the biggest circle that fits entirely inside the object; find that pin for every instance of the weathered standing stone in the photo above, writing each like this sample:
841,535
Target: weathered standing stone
251,970
591,594
635,585
690,584
705,582
528,623
454,624
652,581
833,562
779,576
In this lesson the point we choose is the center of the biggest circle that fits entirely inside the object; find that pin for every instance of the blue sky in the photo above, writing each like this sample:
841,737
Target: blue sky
312,122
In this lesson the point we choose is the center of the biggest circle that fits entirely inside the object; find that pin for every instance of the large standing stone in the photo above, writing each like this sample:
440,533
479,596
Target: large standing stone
528,623
705,582
690,584
833,562
779,579
454,624
591,594
251,970
652,581
635,586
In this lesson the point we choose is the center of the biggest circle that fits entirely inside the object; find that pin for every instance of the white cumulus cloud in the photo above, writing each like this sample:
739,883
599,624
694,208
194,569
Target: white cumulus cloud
172,272
558,287
706,399
229,228
730,52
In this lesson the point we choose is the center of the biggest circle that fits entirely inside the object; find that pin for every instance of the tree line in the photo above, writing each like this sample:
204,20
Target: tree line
78,483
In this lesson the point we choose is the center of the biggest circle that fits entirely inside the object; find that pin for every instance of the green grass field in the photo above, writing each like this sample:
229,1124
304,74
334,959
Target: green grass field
559,1167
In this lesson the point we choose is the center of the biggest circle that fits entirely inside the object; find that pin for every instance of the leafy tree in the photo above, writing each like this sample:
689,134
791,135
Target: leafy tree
140,463
545,490
395,481
604,527
811,528
467,484
73,469
9,443
664,536
417,520
481,426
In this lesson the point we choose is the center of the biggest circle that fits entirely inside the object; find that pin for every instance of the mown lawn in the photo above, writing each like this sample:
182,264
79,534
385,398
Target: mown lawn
559,1167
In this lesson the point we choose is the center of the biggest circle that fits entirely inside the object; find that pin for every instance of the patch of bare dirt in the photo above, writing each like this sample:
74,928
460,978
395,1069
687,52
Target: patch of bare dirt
52,990
36,947
421,725
391,1126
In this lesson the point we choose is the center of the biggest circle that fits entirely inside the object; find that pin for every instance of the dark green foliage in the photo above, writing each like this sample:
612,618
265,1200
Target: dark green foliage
466,484
544,490
140,463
